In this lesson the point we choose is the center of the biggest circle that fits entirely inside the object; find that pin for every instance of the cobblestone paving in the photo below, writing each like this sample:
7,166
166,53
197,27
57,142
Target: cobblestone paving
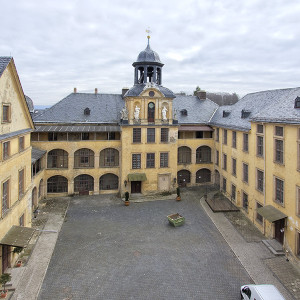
108,251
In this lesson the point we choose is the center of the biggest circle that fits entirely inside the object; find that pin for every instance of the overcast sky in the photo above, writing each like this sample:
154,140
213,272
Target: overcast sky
228,45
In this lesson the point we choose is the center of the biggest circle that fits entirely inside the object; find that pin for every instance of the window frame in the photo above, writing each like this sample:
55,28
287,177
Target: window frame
136,135
225,135
6,116
217,157
150,160
278,190
21,183
164,157
164,135
151,135
246,142
233,166
224,166
260,145
5,197
6,150
136,159
258,217
245,201
245,173
234,139
260,181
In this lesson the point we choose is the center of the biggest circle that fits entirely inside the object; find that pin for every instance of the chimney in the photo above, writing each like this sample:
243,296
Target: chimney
124,91
201,95
75,90
96,91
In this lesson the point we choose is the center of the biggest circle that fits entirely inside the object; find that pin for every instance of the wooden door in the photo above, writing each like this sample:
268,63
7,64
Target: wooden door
136,187
5,257
279,230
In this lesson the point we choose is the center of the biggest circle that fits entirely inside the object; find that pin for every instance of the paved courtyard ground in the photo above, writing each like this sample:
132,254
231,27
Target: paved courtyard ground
108,251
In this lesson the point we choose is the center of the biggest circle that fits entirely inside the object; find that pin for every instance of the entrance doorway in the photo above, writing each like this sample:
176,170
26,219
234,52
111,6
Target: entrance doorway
279,230
136,187
5,257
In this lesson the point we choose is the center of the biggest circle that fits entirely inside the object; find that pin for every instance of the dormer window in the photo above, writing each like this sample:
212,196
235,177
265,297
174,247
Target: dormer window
245,114
87,111
297,102
226,113
184,112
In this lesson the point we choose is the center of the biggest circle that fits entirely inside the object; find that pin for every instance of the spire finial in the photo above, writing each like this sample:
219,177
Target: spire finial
148,36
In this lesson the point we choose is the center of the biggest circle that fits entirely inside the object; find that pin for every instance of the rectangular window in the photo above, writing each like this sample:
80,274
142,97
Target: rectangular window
5,150
5,197
259,218
224,184
224,136
85,136
199,134
5,113
260,180
260,146
224,161
22,220
279,151
234,166
21,143
245,201
150,135
111,136
136,161
52,136
259,128
279,131
298,243
217,134
136,135
233,139
21,183
217,157
150,160
245,142
233,192
164,137
279,191
245,172
164,160
298,155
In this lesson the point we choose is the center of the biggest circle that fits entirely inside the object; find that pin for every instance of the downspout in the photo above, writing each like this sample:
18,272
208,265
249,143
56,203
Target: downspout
265,170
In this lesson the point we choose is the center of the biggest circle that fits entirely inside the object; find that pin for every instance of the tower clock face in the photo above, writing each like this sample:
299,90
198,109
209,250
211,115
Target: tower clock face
151,93
151,105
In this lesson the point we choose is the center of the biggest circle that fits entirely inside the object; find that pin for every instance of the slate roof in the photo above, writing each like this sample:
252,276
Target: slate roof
148,55
104,108
137,89
267,106
198,111
4,61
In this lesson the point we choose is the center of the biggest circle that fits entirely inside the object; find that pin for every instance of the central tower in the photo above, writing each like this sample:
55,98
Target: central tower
147,67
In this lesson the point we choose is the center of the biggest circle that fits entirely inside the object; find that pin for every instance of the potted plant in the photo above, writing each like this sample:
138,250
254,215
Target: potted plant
178,198
4,278
127,199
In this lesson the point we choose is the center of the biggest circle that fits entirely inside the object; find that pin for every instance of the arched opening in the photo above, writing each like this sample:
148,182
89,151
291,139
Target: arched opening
57,158
184,155
84,158
83,184
41,186
151,112
203,155
158,76
57,184
203,176
34,198
150,73
217,178
109,182
140,74
109,158
183,177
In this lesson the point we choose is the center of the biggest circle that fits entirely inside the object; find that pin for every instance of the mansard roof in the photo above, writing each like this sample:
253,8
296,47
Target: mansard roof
192,110
268,106
4,61
104,108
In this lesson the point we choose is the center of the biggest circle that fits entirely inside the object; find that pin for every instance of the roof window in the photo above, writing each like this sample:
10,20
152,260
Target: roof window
297,102
184,112
245,114
87,111
226,113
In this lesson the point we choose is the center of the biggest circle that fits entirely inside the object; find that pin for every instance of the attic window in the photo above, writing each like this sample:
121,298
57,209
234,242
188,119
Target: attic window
297,102
226,113
184,112
87,111
245,114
